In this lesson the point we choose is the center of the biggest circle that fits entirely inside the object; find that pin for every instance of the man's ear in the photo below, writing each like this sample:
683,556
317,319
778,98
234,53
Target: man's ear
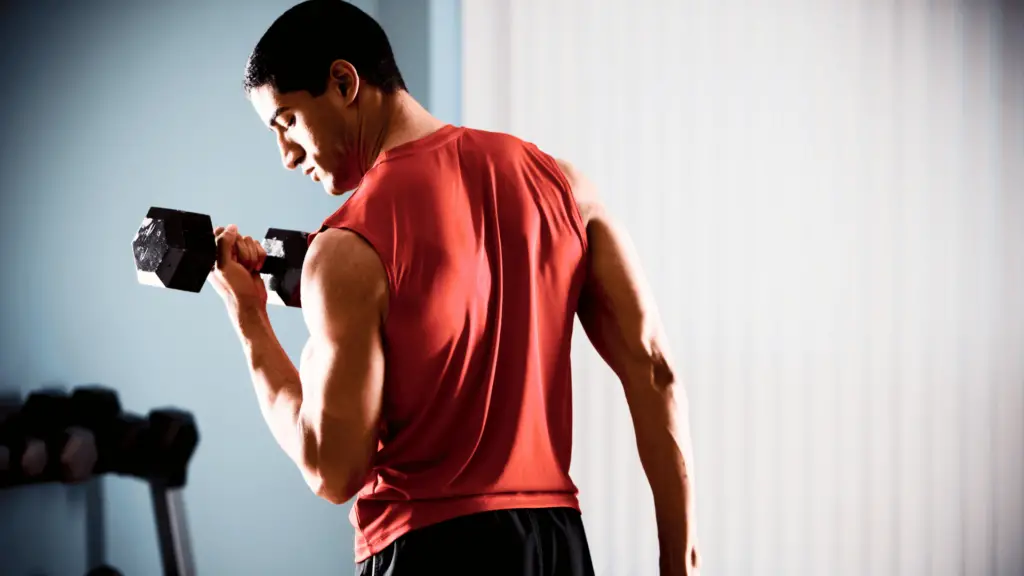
343,74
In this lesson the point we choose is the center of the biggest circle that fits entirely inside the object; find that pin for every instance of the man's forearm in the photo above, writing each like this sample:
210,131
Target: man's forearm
275,380
661,422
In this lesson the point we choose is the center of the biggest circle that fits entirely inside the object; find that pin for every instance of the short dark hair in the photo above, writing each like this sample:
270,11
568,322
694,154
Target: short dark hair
296,52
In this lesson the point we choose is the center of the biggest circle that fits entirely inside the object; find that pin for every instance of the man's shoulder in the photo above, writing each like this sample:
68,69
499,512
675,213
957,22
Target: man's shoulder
493,141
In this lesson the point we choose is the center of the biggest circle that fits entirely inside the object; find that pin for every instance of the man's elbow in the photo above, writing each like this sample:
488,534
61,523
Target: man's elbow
334,468
336,480
647,366
336,487
336,495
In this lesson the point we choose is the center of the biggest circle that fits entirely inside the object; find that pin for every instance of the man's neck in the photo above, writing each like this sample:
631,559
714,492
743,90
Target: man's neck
403,120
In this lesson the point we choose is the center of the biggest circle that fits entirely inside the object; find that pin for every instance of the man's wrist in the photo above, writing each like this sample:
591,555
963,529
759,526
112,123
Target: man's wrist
251,322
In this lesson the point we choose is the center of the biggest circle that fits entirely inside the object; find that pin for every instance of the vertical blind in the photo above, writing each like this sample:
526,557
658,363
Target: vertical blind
828,201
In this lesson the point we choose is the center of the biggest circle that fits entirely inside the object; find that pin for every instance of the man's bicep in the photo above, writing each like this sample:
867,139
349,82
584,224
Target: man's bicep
344,287
342,377
343,292
616,309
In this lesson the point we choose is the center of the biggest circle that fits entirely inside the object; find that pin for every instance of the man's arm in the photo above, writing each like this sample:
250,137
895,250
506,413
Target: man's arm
325,414
619,316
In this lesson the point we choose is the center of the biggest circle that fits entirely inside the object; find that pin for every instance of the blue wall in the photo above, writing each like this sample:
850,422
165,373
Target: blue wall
107,110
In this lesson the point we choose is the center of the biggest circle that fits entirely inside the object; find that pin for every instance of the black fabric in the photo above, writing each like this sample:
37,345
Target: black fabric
520,542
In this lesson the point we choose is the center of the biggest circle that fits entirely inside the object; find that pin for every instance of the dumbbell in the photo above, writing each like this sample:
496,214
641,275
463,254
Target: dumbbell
8,405
71,448
128,453
97,408
158,446
177,249
22,457
171,439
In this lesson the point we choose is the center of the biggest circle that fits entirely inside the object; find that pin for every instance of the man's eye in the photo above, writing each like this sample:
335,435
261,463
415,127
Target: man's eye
291,122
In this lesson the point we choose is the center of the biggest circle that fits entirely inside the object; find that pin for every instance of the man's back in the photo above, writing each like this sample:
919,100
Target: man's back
485,254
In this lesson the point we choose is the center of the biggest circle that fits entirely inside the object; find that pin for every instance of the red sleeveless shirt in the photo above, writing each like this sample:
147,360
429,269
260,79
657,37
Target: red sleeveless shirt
485,255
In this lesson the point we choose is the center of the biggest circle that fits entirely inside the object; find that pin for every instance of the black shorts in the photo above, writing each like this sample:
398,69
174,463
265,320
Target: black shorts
520,542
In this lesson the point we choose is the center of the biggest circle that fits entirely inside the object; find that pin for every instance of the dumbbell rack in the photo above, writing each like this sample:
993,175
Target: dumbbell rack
172,529
158,453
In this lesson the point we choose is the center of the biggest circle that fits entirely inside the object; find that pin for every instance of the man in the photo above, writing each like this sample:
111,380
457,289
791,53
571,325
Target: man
435,387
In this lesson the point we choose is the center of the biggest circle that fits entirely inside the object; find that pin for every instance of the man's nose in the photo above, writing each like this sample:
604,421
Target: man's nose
291,154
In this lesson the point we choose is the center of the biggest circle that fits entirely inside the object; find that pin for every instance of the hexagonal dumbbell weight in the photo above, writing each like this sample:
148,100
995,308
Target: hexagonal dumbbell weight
176,249
71,448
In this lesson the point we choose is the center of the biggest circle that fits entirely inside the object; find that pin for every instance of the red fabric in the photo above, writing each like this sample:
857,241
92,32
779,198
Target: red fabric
485,256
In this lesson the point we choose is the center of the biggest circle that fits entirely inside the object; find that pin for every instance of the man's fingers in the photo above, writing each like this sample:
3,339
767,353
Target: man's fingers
262,253
227,240
242,249
258,254
254,253
249,252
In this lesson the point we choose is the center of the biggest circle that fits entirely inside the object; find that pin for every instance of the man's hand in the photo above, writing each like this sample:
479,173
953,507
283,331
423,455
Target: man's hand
679,551
691,564
692,558
236,277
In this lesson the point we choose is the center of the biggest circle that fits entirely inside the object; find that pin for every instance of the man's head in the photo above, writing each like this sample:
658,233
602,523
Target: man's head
314,78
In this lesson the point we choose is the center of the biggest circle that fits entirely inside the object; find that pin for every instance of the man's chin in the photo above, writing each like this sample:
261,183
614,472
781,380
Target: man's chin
329,187
333,188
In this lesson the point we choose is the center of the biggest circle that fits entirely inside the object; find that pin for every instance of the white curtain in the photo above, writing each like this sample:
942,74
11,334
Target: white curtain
829,203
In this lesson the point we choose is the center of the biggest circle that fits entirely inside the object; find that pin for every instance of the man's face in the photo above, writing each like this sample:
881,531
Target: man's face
317,135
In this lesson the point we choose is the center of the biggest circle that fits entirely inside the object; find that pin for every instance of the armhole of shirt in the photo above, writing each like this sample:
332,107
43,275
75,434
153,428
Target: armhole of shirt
568,195
376,244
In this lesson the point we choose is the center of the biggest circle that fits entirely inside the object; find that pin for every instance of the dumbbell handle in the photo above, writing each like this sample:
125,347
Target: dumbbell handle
276,266
274,263
271,264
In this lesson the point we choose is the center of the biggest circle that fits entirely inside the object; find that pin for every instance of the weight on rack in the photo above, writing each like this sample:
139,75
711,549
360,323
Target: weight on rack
172,439
97,409
21,457
71,448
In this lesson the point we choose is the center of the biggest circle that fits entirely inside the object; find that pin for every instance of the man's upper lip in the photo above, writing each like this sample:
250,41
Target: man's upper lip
309,170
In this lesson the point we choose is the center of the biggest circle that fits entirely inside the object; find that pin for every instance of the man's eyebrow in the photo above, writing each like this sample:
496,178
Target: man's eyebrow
280,110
